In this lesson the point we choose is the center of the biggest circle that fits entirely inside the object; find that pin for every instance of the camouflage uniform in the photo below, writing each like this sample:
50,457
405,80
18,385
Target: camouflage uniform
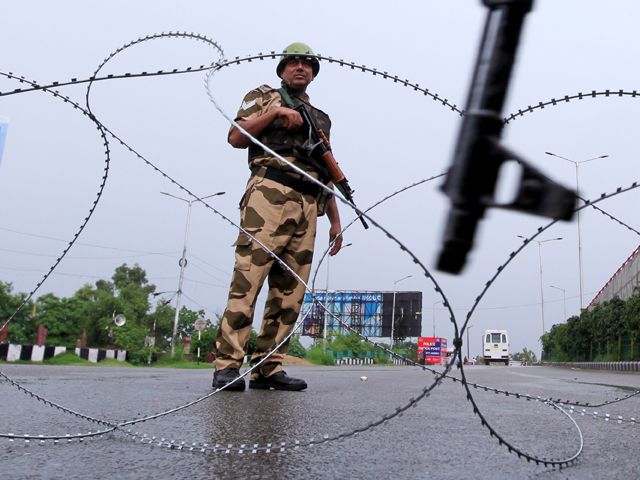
284,220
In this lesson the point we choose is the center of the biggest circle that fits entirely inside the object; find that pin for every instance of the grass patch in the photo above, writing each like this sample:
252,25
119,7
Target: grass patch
316,356
112,362
182,364
71,359
20,362
384,361
178,361
68,358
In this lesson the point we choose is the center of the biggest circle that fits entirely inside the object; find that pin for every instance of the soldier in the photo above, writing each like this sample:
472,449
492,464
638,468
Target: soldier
279,208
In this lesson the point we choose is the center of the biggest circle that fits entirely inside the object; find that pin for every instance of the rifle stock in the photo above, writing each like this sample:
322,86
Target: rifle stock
330,162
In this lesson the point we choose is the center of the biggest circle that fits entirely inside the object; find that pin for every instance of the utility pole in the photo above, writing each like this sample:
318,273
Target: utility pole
183,262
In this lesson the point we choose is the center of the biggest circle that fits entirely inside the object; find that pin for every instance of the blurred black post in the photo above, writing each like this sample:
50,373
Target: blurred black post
478,155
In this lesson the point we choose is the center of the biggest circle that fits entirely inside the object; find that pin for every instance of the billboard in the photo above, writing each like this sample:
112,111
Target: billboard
368,313
362,311
432,349
407,319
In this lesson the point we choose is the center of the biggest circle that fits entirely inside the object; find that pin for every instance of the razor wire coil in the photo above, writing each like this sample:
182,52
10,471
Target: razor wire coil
216,66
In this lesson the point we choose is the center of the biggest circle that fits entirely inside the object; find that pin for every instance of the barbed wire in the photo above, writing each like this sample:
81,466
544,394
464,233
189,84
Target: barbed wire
103,182
619,419
567,98
611,217
35,87
216,66
52,404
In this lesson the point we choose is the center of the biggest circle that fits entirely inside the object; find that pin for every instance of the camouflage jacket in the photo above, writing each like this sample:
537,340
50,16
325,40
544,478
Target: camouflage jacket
282,141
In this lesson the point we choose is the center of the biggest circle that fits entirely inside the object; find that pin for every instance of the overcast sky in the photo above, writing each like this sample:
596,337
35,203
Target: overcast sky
385,136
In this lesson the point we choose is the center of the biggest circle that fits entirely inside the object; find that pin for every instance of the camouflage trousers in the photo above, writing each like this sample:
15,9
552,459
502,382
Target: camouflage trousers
284,221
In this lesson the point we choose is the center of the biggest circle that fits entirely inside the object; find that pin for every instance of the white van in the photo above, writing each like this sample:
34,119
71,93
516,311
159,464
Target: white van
495,346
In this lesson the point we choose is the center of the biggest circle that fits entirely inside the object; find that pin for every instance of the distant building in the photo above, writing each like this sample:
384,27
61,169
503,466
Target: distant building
623,281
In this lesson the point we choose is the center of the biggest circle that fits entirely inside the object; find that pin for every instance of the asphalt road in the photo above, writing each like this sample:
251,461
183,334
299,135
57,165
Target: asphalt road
441,438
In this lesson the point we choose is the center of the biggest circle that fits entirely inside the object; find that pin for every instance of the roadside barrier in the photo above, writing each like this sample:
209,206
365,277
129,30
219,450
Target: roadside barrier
613,366
37,353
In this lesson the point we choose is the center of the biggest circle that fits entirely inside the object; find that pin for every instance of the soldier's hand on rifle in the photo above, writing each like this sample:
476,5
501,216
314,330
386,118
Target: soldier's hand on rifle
291,119
333,234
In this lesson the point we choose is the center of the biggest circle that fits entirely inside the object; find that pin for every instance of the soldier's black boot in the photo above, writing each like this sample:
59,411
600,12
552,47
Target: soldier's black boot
278,381
229,376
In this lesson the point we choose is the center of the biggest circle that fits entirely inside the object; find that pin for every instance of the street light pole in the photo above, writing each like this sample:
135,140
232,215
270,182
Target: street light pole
326,304
564,298
540,242
182,265
434,317
393,308
579,225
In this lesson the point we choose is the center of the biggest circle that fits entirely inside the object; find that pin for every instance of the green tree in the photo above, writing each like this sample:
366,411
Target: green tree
186,322
127,294
207,342
161,325
96,308
22,328
60,316
614,312
631,314
92,310
350,341
529,356
593,330
133,290
549,340
605,320
253,342
553,342
407,348
579,334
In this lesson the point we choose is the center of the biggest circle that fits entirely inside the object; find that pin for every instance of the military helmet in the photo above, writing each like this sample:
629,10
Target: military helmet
297,49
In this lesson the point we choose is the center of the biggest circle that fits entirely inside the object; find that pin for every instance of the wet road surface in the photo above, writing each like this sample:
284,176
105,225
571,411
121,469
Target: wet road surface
440,438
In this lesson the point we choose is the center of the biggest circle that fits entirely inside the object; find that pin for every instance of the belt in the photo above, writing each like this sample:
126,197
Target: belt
304,187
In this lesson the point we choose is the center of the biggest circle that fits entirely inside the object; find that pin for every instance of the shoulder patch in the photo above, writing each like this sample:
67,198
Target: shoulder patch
247,105
265,88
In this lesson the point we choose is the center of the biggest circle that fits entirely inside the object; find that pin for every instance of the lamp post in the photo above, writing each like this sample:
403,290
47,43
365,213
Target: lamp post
393,308
540,242
579,227
564,298
183,262
434,317
326,304
468,328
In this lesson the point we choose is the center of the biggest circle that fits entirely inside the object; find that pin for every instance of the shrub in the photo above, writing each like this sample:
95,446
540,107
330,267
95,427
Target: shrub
316,356
295,347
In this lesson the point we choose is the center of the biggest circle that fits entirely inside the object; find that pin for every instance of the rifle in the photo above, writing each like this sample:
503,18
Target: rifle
318,140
